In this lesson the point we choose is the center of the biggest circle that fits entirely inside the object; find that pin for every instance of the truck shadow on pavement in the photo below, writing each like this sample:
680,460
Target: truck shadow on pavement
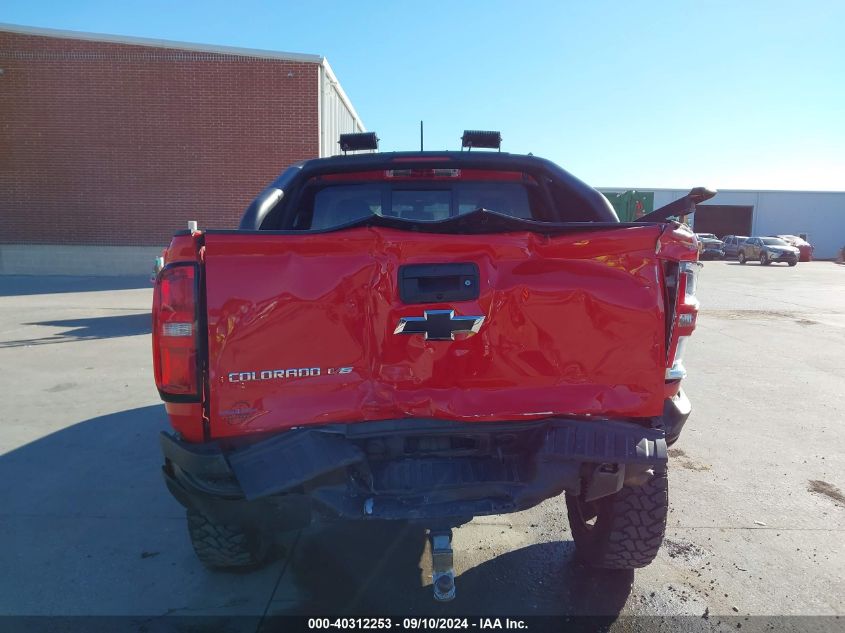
95,529
371,569
113,326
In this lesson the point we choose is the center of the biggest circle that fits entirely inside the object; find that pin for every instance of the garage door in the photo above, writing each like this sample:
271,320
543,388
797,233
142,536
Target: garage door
723,219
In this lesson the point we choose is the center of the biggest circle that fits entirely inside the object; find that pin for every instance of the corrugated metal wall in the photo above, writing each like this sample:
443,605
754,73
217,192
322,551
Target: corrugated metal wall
337,115
819,214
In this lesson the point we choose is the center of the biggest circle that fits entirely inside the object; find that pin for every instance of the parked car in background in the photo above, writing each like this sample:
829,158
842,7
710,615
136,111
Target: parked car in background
804,247
768,250
732,244
710,246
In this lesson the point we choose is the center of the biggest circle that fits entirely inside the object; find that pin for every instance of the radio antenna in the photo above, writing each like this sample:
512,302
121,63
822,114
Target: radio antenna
421,136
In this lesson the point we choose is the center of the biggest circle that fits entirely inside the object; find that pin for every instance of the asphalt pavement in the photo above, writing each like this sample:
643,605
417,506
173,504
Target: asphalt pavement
757,483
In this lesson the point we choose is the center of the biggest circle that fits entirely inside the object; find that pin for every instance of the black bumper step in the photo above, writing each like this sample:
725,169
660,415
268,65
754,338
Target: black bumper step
281,463
289,460
603,441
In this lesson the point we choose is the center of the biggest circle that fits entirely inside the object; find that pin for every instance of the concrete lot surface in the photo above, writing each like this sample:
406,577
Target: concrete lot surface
756,525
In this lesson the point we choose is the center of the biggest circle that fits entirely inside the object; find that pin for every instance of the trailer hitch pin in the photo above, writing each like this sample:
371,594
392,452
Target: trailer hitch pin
442,570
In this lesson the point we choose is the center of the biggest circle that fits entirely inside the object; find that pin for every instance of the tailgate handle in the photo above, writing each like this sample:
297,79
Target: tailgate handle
433,283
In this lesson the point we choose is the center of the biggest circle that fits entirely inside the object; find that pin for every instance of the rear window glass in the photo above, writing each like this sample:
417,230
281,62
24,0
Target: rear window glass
509,199
342,204
422,206
336,205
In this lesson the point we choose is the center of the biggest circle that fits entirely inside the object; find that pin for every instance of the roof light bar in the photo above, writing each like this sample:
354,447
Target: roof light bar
359,141
481,138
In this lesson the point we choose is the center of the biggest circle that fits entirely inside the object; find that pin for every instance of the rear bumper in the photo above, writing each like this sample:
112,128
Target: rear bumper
435,471
676,411
786,257
712,253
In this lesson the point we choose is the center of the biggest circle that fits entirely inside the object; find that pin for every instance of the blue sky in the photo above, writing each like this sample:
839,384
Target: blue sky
746,94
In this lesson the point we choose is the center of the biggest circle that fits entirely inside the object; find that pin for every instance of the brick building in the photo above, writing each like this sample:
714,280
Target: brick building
109,144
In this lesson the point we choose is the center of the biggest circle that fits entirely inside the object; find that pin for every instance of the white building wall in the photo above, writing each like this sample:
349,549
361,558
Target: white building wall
819,214
336,114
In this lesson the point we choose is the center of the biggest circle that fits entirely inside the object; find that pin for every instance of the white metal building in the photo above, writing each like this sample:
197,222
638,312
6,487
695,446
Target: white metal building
337,114
818,214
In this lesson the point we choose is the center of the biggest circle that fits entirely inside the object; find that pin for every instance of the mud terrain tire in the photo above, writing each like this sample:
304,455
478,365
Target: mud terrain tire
228,547
624,530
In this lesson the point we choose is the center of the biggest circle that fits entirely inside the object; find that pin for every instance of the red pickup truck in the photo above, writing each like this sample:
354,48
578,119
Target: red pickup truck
425,337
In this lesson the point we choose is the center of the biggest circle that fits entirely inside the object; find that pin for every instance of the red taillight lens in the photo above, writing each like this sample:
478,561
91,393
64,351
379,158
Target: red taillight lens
175,334
683,318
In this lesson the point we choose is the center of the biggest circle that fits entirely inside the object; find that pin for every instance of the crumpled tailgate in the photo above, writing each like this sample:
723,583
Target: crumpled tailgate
301,328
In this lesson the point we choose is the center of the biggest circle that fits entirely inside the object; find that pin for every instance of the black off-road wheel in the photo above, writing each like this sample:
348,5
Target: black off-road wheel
624,530
226,547
741,257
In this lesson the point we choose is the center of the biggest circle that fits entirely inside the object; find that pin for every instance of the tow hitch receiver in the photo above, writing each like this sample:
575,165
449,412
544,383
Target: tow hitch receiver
442,570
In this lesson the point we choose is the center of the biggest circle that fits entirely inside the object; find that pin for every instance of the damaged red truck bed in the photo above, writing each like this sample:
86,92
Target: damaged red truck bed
425,337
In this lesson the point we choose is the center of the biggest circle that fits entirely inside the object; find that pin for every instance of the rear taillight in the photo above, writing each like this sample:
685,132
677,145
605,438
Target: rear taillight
684,318
175,334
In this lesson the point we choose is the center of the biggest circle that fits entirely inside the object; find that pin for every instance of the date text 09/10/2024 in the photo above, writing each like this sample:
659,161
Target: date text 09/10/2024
416,623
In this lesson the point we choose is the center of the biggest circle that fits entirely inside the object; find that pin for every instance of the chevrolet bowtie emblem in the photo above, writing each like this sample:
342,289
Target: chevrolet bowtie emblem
439,325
